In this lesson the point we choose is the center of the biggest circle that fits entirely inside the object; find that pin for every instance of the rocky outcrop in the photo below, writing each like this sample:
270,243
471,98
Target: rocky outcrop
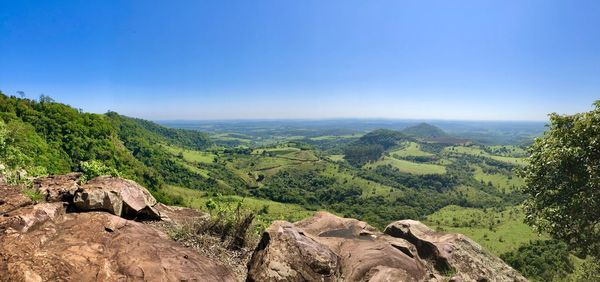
115,195
44,242
87,232
329,248
98,246
58,188
11,198
99,199
285,253
453,253
137,202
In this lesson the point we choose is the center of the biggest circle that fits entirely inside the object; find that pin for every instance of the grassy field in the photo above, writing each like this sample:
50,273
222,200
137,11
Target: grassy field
369,188
335,137
476,151
276,150
197,170
407,166
336,158
304,155
499,180
410,149
197,199
496,230
191,155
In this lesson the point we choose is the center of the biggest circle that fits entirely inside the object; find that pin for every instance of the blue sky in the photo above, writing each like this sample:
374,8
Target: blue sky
482,60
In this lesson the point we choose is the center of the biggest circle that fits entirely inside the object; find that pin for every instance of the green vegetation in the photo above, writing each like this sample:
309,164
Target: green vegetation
408,167
267,173
424,130
270,210
541,260
94,168
191,155
410,149
563,181
499,230
34,195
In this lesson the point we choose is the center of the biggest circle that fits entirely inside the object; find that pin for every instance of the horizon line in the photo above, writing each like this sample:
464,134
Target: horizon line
345,119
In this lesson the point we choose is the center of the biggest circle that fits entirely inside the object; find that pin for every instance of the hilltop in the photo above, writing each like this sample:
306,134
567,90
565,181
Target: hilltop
424,130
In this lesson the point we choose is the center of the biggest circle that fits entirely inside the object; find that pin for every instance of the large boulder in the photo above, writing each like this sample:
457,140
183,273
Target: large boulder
99,199
109,193
326,247
329,248
285,253
58,188
42,243
453,254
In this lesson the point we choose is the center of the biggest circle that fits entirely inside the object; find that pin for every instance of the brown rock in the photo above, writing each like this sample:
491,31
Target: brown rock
329,248
453,253
11,198
98,246
58,188
23,219
285,253
137,202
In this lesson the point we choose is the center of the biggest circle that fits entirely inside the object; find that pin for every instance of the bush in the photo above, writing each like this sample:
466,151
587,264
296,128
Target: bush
93,168
541,260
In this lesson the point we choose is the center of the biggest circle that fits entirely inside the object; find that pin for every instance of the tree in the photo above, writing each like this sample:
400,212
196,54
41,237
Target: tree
563,180
541,260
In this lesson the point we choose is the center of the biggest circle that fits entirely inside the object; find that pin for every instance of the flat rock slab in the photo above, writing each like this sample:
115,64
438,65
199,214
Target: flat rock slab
11,198
97,246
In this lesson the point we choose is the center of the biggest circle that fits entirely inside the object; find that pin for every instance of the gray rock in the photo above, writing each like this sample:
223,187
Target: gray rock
99,199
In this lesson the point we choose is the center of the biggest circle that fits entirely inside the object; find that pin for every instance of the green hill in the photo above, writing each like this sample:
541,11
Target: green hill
49,137
425,130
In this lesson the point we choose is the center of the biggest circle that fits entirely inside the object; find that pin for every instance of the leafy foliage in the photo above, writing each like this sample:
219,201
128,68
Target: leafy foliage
93,168
359,155
563,180
541,260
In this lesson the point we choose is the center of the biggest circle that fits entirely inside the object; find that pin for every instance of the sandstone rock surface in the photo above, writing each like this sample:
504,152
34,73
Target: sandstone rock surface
11,198
44,242
119,196
329,248
453,253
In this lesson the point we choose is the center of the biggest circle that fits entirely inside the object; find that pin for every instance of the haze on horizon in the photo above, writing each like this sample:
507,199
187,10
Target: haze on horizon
459,60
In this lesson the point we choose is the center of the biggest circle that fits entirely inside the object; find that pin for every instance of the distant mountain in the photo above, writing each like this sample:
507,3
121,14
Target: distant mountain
384,137
425,130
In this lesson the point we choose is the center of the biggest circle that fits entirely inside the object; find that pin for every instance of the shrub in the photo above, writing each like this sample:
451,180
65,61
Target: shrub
94,168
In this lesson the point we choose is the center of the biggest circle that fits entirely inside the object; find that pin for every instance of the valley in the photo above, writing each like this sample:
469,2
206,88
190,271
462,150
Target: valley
378,175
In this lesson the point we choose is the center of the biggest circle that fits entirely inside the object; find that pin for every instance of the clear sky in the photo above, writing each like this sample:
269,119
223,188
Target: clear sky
499,60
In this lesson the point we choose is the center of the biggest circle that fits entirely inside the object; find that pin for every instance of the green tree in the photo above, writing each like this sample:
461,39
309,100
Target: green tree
541,260
563,180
